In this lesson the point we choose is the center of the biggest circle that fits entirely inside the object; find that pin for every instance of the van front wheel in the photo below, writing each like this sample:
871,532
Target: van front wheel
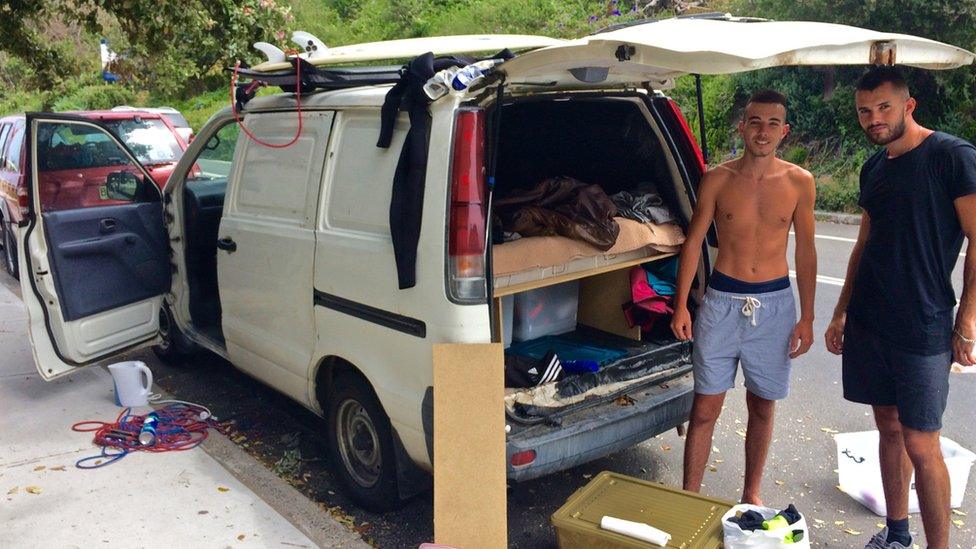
174,347
361,445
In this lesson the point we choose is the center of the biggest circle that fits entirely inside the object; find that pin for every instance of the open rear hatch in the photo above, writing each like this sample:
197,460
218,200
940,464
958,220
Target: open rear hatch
659,51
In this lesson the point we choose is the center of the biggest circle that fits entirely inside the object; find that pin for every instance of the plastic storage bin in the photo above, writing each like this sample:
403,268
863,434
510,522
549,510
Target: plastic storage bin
508,318
546,311
693,520
859,471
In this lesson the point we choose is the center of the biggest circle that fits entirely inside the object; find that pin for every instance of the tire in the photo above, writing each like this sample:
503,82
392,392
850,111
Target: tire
9,250
361,445
175,347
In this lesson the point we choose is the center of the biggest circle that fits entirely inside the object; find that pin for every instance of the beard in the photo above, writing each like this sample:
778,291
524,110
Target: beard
894,133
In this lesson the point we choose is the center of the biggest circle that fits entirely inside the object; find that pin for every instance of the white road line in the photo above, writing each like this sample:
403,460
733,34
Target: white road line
845,239
824,279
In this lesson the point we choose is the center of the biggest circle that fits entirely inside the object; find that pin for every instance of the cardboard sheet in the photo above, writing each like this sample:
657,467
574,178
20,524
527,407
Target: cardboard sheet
470,505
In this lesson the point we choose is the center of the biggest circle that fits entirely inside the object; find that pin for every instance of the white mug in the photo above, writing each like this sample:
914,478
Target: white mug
133,383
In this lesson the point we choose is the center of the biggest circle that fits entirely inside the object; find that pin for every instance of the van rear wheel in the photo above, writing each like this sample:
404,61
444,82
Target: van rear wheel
9,249
361,445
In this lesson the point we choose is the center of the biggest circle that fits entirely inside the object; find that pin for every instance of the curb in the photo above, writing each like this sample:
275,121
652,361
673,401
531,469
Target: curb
837,217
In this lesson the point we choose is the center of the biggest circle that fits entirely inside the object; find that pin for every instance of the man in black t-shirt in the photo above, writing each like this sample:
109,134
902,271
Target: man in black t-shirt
894,320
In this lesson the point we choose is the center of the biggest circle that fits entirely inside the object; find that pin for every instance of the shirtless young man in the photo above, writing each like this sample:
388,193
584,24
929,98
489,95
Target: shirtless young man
748,315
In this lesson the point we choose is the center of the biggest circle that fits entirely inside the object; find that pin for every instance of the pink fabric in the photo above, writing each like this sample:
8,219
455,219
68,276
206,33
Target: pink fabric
647,306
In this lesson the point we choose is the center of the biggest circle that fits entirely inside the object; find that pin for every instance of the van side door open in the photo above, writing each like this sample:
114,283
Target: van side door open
95,261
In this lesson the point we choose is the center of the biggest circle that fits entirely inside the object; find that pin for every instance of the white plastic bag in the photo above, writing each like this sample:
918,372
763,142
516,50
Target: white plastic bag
736,538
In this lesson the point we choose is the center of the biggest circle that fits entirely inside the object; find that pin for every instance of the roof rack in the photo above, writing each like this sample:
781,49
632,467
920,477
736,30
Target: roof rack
315,78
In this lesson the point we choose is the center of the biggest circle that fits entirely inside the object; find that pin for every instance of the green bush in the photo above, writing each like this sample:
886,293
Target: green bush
838,195
95,97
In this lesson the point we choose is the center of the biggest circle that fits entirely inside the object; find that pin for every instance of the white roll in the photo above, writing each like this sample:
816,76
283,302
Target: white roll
637,530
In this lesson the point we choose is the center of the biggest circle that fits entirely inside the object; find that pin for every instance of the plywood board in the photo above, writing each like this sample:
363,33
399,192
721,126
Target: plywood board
600,300
470,506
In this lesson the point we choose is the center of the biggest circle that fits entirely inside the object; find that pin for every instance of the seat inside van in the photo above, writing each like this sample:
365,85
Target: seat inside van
562,295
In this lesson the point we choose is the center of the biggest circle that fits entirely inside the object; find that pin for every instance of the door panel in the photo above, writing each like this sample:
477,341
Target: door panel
95,262
116,253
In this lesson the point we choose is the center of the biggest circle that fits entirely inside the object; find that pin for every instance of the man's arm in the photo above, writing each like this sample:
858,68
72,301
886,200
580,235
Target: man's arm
966,317
806,265
835,330
701,220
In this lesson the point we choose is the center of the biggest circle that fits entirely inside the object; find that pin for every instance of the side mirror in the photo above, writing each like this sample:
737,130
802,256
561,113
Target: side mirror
122,186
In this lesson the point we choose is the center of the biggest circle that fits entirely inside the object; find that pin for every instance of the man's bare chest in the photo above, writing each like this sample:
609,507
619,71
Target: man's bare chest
760,205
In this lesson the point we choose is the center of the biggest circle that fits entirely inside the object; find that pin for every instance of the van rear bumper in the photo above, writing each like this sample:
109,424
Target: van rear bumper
602,430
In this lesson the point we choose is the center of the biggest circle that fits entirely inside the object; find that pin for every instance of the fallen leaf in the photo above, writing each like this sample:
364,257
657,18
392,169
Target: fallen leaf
716,450
202,512
880,524
829,431
780,483
12,491
240,537
852,532
712,468
222,489
958,512
40,468
818,521
665,447
719,461
33,490
838,523
741,433
58,468
958,523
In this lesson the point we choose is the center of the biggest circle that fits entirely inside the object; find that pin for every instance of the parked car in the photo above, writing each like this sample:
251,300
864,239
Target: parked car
74,165
175,118
281,259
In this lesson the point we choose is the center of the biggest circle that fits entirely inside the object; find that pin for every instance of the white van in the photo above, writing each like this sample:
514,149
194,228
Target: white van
281,259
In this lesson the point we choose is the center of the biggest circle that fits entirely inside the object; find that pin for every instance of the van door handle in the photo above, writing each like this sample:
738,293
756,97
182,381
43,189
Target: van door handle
228,244
107,225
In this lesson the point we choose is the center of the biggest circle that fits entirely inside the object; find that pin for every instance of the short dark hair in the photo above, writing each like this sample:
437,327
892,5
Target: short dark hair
879,75
767,96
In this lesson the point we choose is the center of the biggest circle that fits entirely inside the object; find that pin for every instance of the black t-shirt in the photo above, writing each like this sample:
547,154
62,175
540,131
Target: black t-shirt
903,289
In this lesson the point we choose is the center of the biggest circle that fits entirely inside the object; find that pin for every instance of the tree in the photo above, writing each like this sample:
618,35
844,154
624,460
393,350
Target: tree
167,42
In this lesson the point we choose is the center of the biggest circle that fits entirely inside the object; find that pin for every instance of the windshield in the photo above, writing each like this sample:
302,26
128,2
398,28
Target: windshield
149,139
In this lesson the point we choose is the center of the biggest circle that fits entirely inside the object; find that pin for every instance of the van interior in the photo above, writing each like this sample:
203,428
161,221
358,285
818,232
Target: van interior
553,294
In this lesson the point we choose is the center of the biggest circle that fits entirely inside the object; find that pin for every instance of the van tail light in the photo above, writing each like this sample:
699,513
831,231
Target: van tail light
467,215
23,200
522,458
688,134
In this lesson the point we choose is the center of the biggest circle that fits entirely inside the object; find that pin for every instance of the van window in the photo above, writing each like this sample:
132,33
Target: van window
282,182
80,166
215,160
362,175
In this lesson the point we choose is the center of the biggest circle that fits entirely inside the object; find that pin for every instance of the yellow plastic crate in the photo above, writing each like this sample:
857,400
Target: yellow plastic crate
693,520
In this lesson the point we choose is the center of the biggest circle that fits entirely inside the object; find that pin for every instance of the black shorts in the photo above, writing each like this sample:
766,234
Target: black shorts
879,374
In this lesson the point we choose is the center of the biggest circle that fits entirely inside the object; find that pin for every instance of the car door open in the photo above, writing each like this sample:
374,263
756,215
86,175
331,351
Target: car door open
95,262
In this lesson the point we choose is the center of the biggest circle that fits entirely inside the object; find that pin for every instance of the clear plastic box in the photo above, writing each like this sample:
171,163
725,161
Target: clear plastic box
546,311
859,470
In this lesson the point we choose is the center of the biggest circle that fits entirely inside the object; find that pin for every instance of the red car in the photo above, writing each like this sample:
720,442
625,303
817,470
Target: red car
74,169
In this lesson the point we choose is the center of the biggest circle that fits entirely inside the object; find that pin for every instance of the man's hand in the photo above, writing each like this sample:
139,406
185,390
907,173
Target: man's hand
835,334
681,323
963,351
802,338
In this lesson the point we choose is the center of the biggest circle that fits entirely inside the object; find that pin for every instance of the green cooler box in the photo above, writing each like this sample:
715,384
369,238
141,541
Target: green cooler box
694,521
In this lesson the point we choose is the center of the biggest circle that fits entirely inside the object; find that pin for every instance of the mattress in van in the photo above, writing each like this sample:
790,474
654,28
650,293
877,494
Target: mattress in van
540,257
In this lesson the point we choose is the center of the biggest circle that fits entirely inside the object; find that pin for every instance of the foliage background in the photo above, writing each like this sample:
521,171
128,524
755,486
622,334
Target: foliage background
176,53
